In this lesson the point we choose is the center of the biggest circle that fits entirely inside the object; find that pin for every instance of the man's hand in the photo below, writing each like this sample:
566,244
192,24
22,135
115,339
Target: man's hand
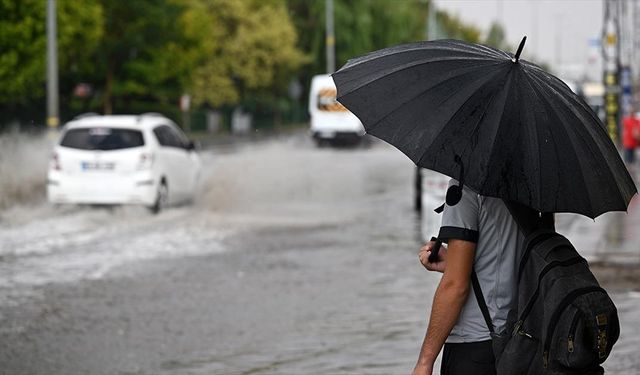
424,253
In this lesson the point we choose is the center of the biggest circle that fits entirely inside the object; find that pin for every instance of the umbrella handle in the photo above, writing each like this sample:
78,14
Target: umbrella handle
433,257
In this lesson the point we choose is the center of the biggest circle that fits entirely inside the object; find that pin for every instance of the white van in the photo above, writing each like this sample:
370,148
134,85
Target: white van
331,122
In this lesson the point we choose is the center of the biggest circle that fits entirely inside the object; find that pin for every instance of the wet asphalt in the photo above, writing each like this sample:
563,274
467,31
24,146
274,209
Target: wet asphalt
292,260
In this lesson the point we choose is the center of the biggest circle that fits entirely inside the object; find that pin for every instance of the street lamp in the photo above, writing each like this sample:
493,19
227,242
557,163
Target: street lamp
330,39
53,118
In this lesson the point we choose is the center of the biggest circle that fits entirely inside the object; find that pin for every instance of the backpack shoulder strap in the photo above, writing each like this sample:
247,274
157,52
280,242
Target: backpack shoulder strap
481,301
529,222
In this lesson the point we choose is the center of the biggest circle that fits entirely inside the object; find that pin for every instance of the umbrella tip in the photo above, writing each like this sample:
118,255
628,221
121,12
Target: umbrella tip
520,47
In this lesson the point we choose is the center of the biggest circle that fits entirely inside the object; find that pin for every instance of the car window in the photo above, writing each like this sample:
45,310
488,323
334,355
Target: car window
168,137
179,137
102,138
160,134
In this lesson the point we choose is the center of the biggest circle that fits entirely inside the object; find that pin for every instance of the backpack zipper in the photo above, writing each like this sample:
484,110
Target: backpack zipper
545,270
572,332
566,301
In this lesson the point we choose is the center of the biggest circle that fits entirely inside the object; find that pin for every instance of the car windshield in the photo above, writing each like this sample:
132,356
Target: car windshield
102,138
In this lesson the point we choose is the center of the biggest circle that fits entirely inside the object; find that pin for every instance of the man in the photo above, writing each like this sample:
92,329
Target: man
481,235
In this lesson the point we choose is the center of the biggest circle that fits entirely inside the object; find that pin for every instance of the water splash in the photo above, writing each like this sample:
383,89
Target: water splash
23,168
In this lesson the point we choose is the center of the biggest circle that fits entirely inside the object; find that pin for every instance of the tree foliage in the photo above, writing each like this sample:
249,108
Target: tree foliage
140,53
496,37
454,28
222,52
23,44
361,26
249,47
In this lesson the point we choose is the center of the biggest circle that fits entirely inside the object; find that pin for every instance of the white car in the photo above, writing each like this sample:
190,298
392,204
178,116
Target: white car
145,160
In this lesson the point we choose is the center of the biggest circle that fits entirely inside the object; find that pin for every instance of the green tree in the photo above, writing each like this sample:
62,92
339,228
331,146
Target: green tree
141,53
361,26
23,45
496,37
366,25
246,48
454,28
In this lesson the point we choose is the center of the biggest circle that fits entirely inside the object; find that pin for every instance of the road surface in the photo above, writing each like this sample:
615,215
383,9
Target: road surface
292,260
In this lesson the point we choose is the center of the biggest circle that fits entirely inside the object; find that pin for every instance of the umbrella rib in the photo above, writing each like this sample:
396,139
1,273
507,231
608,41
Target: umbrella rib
539,166
459,109
555,83
495,138
379,122
592,140
571,101
536,87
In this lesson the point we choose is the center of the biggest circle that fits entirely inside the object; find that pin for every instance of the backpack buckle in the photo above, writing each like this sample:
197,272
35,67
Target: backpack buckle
516,327
601,320
602,343
545,359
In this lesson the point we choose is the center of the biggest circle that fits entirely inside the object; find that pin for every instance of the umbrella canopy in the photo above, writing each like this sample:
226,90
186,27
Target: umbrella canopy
504,125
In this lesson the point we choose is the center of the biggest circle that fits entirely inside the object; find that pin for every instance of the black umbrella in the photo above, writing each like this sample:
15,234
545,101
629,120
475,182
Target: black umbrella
503,125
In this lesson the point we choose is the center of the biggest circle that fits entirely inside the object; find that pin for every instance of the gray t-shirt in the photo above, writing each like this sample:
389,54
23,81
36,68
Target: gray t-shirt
487,222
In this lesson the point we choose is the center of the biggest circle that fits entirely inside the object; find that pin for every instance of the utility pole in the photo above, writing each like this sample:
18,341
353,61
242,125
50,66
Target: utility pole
430,34
432,28
534,27
611,60
634,28
53,117
558,41
330,39
626,58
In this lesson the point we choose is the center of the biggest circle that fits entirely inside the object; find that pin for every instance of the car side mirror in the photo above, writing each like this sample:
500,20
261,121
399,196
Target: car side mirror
191,146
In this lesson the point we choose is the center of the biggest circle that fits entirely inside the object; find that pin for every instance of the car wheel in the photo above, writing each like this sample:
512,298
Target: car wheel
366,142
323,143
162,198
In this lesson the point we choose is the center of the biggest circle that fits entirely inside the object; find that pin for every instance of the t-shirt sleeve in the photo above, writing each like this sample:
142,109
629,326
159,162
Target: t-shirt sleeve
460,222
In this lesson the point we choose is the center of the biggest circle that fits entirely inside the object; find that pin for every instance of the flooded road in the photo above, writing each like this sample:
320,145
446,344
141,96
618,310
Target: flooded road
292,260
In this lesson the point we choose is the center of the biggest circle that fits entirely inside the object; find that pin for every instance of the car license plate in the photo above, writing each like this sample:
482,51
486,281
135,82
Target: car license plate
97,166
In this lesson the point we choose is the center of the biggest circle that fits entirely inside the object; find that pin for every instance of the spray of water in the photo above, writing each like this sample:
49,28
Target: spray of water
284,177
23,168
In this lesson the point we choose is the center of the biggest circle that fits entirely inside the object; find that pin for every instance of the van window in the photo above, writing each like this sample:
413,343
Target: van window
327,100
102,138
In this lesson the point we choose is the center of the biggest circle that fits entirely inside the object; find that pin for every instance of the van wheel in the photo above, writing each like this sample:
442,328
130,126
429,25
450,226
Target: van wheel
162,198
365,141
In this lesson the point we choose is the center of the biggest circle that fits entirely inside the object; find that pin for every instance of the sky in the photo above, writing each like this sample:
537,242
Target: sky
558,31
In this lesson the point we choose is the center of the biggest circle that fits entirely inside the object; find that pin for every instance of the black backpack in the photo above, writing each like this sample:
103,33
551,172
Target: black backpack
564,322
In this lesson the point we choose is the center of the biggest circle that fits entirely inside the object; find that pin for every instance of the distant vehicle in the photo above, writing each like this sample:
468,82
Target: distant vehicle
145,160
331,122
